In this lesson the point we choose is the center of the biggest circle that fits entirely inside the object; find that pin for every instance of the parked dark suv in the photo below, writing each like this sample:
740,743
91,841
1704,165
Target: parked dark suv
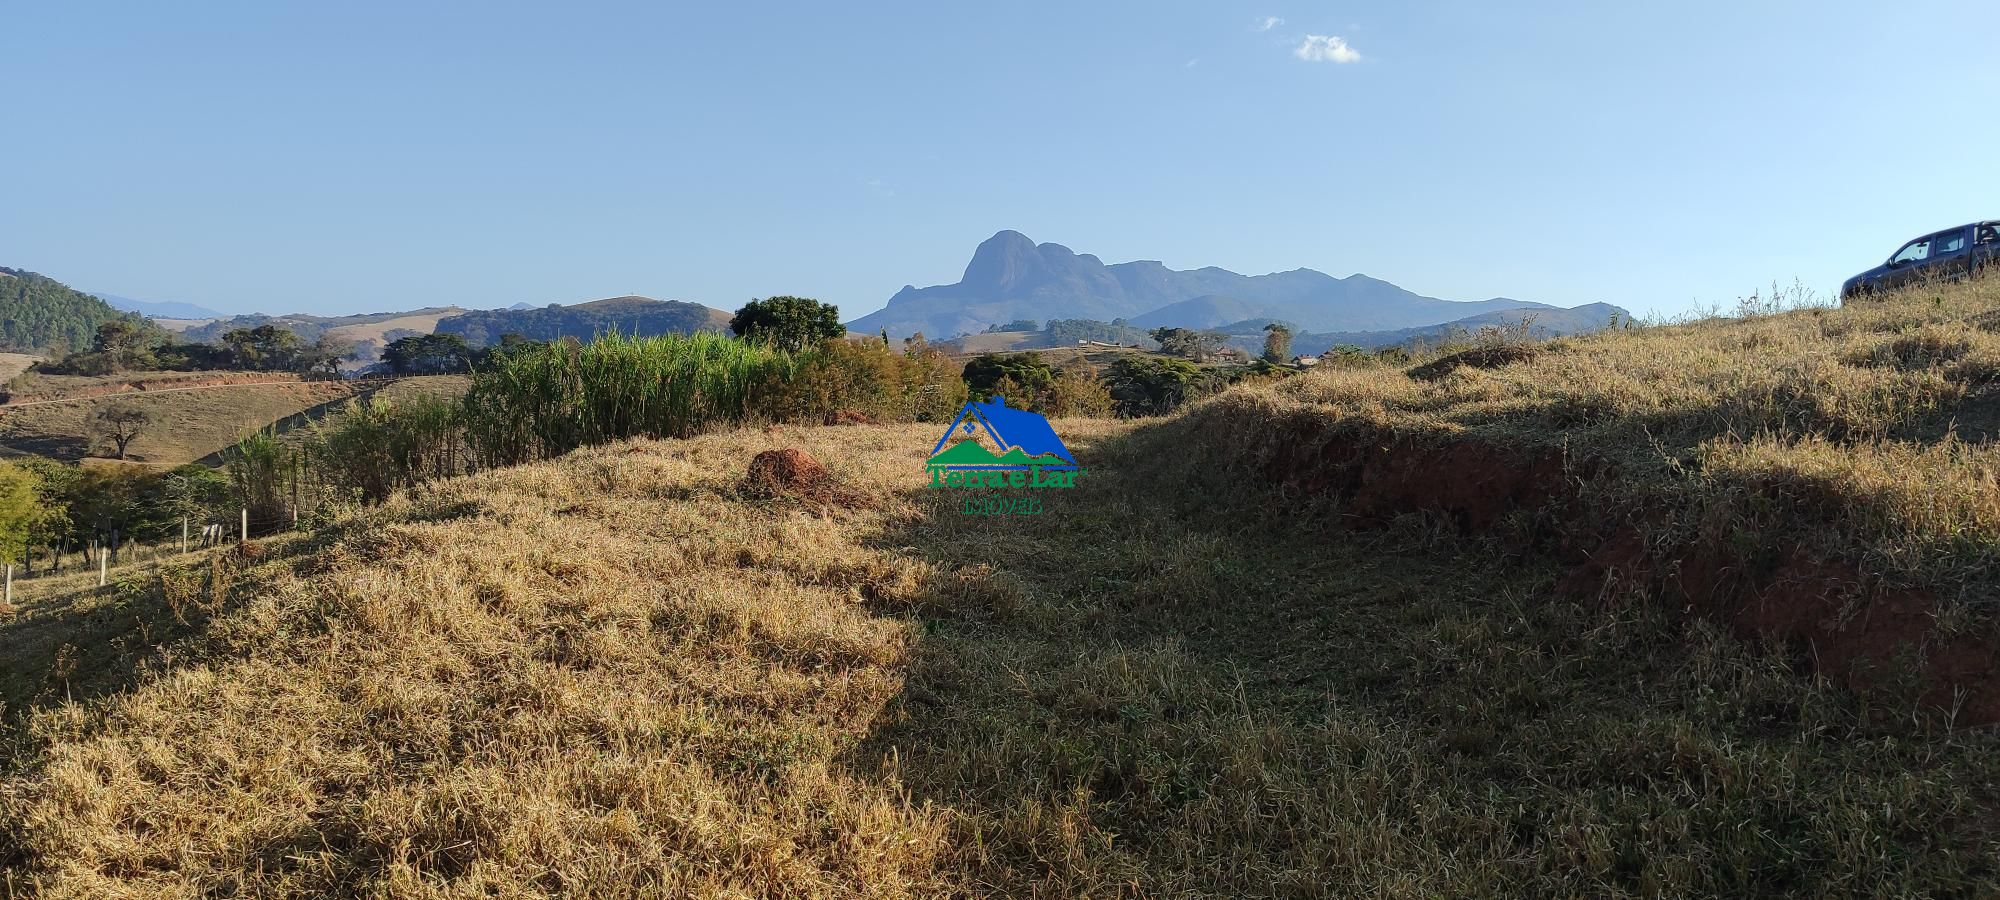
1949,254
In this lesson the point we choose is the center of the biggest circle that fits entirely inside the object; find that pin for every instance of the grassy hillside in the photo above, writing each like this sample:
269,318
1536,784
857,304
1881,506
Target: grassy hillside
13,364
38,313
188,423
370,336
1540,324
622,673
1822,477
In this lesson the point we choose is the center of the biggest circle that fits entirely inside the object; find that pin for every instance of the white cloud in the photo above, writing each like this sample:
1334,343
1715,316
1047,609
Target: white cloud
1269,22
1326,48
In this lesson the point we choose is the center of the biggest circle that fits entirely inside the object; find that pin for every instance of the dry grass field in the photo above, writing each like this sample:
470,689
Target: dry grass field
188,424
1865,434
422,321
992,342
622,674
13,364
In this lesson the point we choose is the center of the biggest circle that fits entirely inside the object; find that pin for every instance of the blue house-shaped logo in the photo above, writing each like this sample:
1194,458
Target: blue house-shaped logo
1025,440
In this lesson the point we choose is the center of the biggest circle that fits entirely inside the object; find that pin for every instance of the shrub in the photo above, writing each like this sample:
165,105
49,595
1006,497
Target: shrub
1153,386
794,324
1023,371
378,447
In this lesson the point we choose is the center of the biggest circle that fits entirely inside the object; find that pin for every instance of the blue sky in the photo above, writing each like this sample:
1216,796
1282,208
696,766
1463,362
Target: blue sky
342,157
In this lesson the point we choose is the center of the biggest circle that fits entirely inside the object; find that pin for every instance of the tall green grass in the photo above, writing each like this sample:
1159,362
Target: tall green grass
263,473
550,399
379,446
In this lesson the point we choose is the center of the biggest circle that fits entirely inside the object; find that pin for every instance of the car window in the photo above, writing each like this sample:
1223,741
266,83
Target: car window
1987,234
1913,251
1948,242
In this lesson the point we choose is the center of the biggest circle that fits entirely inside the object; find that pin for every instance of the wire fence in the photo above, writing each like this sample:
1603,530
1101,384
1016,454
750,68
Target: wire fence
109,551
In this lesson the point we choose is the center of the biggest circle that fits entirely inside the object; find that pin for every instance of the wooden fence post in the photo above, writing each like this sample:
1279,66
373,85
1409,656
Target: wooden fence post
10,584
184,534
103,566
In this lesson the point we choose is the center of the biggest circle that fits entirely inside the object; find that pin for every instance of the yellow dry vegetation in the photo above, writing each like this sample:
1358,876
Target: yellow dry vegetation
187,424
620,674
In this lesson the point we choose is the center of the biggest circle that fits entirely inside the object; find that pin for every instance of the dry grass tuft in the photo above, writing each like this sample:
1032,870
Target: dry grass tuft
1476,358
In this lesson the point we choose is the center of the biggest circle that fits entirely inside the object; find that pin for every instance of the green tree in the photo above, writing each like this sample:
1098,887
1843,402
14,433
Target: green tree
428,354
1153,386
119,424
40,313
1188,342
21,509
992,374
194,491
118,336
793,324
1277,343
320,359
265,347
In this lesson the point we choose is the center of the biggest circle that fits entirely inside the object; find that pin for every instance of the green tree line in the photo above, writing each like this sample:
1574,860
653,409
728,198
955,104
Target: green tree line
41,314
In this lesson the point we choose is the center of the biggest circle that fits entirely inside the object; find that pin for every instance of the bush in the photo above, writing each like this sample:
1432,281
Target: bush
378,447
1154,386
794,324
866,377
1025,370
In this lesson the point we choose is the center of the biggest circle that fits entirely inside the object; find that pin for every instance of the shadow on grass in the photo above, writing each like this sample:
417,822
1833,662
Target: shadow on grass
1167,684
67,447
88,641
76,641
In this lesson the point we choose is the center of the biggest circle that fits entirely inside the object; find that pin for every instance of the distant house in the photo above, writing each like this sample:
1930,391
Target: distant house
1008,427
1305,362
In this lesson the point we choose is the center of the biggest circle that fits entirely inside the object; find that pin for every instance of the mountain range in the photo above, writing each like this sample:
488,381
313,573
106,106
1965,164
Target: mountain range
1009,279
1013,278
159,309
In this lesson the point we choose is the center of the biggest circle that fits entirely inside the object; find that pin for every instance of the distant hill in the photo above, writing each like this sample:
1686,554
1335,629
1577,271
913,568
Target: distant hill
1011,277
1211,311
627,315
1544,322
158,309
363,335
39,313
